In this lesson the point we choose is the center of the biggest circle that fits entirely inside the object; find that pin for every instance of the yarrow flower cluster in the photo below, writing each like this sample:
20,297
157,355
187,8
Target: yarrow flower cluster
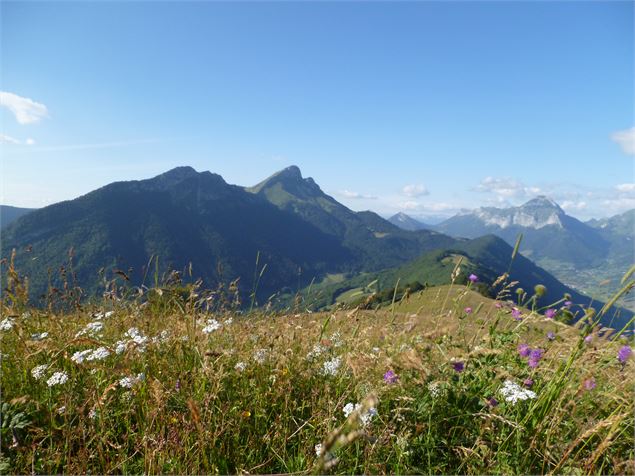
512,392
103,315
89,355
92,328
6,324
331,367
136,337
317,350
39,371
260,356
211,326
58,378
364,417
131,381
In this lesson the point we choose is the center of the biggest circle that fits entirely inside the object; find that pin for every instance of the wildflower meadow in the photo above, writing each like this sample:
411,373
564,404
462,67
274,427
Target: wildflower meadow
161,383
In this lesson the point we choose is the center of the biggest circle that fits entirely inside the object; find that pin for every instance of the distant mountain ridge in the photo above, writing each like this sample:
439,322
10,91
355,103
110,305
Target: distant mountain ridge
406,222
184,216
548,232
9,214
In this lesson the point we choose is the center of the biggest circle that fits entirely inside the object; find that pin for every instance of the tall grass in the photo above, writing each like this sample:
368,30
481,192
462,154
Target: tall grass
210,390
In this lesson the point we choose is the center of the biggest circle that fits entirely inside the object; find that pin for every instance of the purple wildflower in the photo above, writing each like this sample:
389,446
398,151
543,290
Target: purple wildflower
492,402
589,384
568,304
516,314
473,278
468,310
588,339
523,350
551,335
528,382
498,305
534,357
390,377
550,313
624,354
458,366
177,385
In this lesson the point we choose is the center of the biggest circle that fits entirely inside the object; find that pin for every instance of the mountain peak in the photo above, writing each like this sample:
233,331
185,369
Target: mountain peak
542,201
292,172
290,179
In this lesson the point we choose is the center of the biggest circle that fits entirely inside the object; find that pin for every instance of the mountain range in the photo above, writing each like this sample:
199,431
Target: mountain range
285,228
590,256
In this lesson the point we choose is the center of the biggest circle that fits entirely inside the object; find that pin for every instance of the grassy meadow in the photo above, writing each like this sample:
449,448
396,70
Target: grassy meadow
444,382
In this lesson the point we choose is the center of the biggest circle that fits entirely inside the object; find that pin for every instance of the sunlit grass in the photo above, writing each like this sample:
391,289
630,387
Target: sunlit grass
179,393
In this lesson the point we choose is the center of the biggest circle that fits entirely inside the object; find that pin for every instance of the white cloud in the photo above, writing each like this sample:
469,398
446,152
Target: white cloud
626,140
569,205
25,110
355,195
412,205
5,139
415,190
507,188
625,187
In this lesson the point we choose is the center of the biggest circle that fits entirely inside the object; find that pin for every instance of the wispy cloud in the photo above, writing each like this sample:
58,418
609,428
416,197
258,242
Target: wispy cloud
506,189
25,110
625,187
626,140
356,195
5,139
415,190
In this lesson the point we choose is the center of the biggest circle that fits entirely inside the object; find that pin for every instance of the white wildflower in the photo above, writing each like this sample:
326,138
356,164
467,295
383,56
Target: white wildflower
26,315
330,367
81,355
240,366
336,339
365,417
92,414
39,336
103,315
92,328
212,325
229,321
435,389
512,392
58,378
39,371
316,352
6,324
318,449
61,410
129,382
98,354
120,347
260,356
161,337
136,336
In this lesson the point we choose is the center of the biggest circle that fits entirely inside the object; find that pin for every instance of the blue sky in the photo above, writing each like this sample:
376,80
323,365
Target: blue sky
422,107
